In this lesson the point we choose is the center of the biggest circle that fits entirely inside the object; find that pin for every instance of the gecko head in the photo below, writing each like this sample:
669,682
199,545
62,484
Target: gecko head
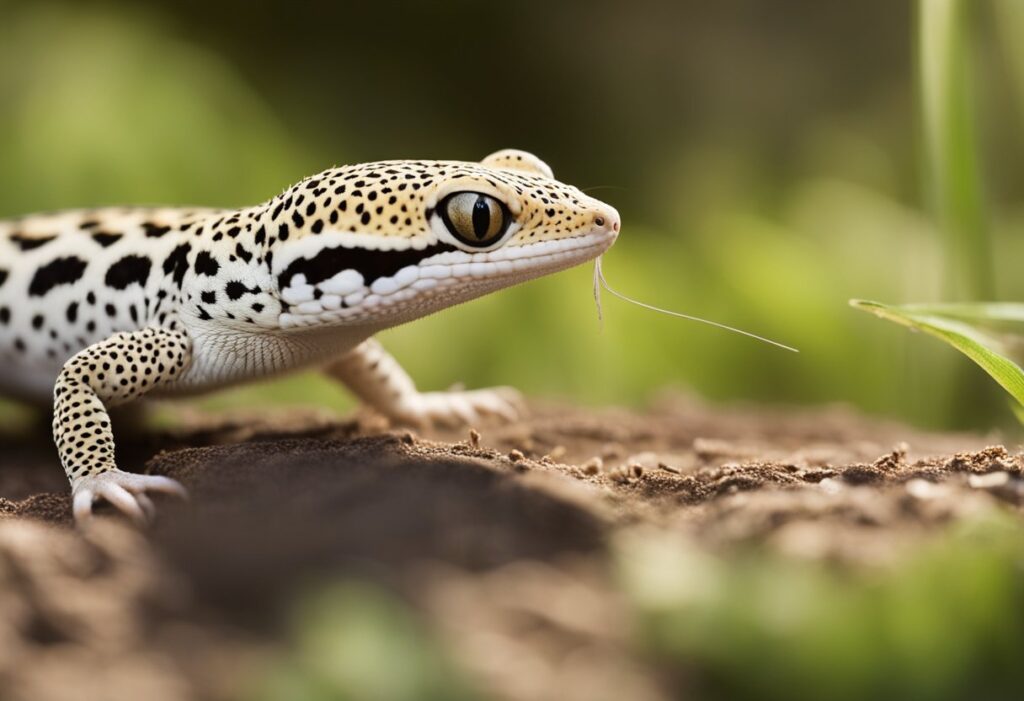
382,243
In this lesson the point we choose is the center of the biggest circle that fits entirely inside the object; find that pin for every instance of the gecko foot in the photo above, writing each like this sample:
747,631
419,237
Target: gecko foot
462,407
126,491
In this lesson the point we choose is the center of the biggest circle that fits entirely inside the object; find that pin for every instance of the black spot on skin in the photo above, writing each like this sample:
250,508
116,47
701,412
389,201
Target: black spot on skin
105,238
206,264
372,264
209,297
154,231
204,315
129,270
261,236
176,264
37,322
242,253
61,271
3,277
27,243
5,315
72,312
234,290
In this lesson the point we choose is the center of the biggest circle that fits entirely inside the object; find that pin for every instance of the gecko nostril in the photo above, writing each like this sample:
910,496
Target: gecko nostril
608,222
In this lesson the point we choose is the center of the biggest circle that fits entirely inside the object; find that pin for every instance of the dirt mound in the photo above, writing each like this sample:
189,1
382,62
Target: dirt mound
273,514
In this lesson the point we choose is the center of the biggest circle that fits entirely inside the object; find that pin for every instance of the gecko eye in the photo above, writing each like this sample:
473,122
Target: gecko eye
475,219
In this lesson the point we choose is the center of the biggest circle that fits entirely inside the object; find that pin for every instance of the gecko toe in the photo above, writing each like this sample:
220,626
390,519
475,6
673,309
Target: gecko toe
125,491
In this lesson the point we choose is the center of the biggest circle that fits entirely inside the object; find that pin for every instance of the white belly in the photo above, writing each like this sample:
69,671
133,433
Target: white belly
223,357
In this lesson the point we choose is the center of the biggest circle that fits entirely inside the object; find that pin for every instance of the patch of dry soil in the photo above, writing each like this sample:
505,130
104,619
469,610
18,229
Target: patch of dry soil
479,529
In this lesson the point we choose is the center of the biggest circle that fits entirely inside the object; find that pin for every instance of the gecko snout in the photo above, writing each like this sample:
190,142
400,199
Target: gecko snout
607,219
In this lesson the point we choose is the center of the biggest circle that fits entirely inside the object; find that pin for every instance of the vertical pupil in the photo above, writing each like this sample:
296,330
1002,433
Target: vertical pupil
481,217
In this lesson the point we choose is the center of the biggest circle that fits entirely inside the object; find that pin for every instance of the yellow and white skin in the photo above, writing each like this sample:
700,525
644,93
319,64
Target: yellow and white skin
105,306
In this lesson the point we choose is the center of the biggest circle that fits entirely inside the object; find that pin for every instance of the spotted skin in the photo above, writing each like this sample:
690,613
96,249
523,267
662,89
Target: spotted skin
102,307
104,375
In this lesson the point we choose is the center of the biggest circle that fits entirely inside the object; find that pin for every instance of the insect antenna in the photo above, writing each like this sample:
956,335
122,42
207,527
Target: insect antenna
600,282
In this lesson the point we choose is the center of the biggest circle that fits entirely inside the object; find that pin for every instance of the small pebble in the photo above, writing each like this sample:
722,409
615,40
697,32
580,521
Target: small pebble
830,485
516,456
619,474
989,481
669,468
474,438
923,489
593,466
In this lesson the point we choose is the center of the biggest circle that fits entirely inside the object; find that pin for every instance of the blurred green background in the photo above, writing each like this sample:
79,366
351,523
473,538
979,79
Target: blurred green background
770,160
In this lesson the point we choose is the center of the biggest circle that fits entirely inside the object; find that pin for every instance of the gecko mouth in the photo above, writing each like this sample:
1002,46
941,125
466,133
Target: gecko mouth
440,275
537,258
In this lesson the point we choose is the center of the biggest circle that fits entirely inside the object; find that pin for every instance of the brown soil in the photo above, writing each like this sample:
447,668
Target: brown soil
474,528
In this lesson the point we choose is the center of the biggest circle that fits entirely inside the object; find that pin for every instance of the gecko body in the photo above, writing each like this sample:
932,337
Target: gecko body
102,307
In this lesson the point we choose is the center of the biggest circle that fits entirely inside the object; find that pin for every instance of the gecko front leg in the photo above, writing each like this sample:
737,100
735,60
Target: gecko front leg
106,374
378,380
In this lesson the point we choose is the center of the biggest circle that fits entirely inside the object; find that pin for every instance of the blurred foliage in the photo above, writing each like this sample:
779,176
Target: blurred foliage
951,156
354,642
943,624
104,109
765,159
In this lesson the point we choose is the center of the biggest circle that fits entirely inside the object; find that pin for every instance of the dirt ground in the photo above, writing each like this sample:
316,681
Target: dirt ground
499,536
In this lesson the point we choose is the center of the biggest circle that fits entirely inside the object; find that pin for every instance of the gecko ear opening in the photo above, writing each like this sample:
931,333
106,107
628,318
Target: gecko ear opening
514,159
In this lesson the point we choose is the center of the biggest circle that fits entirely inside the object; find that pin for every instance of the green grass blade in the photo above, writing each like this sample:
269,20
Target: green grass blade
963,327
953,171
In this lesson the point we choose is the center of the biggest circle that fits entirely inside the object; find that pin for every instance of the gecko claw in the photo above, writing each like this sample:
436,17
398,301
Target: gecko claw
125,491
